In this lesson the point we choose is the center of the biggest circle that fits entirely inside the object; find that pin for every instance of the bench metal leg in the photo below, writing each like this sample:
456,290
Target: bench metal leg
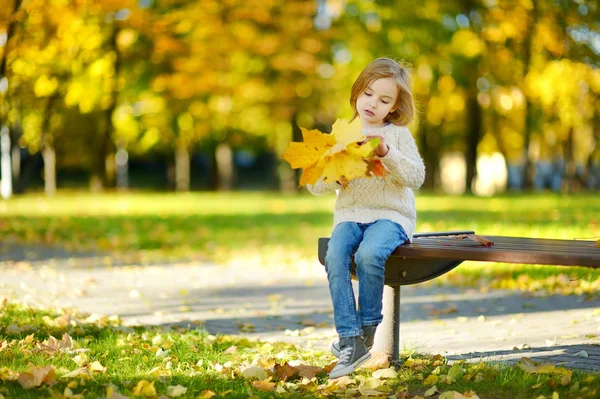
396,323
387,338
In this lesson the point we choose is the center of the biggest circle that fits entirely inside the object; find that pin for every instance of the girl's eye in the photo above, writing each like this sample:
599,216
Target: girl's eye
385,102
368,94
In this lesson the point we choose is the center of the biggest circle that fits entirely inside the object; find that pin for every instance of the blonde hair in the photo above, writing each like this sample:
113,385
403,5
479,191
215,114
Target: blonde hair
404,108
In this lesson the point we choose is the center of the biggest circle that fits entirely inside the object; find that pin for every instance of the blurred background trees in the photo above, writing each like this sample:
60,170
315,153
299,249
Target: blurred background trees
206,94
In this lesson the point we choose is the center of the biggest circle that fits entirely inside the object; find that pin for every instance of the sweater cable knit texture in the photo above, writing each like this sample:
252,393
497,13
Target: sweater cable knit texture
366,200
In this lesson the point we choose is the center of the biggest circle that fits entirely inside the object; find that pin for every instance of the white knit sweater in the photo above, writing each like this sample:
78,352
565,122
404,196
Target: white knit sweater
366,200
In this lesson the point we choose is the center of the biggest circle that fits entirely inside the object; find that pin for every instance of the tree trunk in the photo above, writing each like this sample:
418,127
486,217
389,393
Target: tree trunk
49,155
224,163
285,175
529,108
16,150
474,114
122,169
48,152
474,125
16,163
100,178
6,176
429,148
182,169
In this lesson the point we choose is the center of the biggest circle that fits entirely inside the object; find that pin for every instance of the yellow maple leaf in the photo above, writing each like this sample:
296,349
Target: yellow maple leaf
343,168
264,385
346,133
310,151
339,157
311,175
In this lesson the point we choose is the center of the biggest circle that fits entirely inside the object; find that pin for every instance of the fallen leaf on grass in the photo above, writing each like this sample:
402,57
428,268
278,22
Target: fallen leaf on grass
285,371
176,390
431,379
385,373
264,385
81,372
96,366
207,394
8,375
456,372
52,345
431,391
68,393
255,372
307,371
458,395
36,376
144,388
527,365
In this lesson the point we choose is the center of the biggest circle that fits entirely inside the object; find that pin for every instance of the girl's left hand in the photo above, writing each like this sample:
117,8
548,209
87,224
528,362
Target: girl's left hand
382,149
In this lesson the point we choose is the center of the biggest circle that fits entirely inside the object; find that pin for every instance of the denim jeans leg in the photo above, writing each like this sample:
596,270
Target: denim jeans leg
379,240
338,259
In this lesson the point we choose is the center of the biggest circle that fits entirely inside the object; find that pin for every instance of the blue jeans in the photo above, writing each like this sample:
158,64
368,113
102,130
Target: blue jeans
375,242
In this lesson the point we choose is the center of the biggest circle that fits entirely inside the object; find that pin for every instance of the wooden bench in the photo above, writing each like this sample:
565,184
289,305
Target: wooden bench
431,255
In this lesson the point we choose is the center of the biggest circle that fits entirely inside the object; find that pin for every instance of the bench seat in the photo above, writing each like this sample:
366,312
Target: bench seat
430,255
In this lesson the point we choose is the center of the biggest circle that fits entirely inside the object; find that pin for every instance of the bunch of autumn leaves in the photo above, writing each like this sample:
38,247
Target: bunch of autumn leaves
341,156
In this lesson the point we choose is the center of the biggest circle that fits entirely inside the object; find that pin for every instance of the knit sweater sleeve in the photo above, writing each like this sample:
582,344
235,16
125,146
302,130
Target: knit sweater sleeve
322,188
404,161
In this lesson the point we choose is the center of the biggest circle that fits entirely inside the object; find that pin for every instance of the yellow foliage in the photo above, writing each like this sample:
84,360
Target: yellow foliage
340,156
467,43
45,86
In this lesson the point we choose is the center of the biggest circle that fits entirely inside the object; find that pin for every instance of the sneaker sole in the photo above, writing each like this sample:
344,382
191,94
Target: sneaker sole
350,368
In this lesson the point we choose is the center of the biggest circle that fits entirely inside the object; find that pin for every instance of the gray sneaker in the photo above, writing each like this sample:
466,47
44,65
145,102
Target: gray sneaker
368,339
352,355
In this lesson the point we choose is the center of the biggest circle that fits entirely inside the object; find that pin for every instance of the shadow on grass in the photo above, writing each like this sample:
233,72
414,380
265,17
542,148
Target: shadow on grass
418,303
189,236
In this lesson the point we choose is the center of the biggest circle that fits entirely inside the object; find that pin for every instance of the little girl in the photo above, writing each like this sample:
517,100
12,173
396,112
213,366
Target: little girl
374,215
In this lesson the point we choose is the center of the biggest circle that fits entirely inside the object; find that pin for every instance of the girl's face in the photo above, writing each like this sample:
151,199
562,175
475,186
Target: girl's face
376,102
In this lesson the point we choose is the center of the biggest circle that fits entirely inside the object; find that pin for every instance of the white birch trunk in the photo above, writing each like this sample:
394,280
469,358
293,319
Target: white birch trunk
5,164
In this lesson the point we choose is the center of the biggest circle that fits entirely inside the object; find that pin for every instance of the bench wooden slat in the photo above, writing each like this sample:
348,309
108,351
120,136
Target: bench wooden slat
518,247
506,249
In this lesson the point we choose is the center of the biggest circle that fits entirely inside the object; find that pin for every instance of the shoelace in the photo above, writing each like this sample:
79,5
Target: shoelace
345,354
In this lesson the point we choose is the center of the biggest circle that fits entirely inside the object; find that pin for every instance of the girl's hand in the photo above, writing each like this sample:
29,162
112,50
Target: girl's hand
382,149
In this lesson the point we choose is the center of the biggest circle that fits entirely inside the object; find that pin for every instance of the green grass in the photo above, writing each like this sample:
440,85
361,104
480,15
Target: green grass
120,358
272,229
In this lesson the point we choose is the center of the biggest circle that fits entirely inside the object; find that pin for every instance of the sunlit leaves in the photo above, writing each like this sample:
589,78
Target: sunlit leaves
467,43
341,156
